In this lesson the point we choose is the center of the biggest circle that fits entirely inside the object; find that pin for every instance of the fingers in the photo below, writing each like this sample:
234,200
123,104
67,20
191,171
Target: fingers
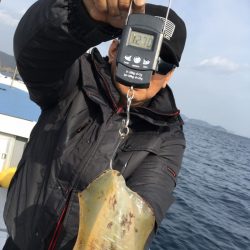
112,11
124,5
138,6
101,6
116,7
113,8
93,10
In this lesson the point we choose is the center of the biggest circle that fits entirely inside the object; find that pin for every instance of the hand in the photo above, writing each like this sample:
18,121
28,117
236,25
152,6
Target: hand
113,12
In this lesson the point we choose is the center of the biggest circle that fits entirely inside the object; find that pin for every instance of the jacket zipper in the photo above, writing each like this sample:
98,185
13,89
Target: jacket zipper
106,85
59,224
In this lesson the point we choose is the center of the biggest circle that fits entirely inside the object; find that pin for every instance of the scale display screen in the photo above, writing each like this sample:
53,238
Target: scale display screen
141,40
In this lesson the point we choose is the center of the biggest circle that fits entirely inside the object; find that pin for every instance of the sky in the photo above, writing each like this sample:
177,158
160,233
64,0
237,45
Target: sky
213,80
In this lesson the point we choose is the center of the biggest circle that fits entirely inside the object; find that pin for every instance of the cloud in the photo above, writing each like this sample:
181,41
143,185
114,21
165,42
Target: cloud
8,19
220,64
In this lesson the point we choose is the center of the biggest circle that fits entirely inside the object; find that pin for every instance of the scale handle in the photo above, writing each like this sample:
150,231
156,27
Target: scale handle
166,19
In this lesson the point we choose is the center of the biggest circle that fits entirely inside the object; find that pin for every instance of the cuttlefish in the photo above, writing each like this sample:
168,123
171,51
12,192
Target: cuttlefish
112,216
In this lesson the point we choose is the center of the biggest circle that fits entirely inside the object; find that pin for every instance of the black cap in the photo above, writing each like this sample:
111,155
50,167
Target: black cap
175,33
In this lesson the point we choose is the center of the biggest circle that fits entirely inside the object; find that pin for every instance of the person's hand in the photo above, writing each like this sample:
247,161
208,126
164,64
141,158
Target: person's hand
113,12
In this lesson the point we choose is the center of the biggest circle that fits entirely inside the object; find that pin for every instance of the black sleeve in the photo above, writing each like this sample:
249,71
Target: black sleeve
49,39
152,166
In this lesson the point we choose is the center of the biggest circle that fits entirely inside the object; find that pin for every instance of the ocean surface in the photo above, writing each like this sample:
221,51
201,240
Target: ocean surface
212,207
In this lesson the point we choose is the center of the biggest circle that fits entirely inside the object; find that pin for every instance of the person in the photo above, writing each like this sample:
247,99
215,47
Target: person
82,107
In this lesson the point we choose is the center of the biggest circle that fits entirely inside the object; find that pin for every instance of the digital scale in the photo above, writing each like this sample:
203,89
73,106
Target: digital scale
139,49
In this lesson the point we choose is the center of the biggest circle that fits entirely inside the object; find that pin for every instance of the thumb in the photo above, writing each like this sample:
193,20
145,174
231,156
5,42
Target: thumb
138,6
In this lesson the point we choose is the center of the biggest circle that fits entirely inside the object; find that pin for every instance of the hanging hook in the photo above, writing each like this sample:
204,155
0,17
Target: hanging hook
124,130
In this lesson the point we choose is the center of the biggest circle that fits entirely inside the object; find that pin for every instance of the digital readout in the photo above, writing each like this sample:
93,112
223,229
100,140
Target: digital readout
141,40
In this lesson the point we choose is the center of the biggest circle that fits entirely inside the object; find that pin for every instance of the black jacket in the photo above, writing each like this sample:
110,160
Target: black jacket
77,130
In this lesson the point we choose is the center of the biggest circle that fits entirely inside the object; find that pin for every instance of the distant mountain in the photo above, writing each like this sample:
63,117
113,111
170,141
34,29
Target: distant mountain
8,65
7,61
202,123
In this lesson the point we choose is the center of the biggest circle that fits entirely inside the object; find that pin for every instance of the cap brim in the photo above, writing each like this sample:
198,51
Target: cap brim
168,55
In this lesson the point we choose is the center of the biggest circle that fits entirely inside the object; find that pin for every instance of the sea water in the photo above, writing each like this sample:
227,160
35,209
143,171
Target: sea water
212,207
